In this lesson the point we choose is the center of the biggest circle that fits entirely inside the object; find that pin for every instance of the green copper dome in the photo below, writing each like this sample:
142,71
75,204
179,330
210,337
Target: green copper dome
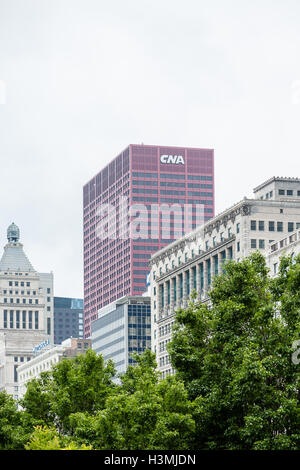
13,233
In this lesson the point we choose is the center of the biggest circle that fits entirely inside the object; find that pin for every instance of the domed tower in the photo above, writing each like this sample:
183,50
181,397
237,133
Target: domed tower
13,233
14,259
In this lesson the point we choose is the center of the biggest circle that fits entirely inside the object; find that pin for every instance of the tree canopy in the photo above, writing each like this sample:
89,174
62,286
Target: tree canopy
236,385
234,356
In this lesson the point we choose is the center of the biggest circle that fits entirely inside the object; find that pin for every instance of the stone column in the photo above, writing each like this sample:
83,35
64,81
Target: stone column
205,277
198,277
192,280
220,262
172,287
166,306
178,299
184,280
159,300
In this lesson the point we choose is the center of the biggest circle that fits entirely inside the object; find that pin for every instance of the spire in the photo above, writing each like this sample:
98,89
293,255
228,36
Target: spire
13,233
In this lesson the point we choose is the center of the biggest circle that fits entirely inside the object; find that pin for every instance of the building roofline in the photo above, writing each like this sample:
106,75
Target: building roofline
213,220
276,178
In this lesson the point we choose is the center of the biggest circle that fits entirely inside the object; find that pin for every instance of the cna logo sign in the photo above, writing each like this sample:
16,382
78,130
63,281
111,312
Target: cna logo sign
176,159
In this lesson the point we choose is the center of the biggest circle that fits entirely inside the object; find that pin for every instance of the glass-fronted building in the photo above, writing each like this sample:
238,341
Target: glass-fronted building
68,318
123,327
146,198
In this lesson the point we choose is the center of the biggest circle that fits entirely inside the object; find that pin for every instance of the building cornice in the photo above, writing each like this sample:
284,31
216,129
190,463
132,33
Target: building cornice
197,258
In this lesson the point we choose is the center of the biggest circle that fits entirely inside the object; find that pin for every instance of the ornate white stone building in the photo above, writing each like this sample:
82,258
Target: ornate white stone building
26,310
189,264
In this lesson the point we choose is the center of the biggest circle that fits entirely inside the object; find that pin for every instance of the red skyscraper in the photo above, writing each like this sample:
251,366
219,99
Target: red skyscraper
143,200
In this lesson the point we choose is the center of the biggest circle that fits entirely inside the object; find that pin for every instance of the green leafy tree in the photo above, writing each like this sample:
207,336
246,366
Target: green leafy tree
145,414
44,438
15,425
234,357
81,384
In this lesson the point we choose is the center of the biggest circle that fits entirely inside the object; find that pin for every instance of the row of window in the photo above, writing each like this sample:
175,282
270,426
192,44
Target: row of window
163,345
164,361
172,176
18,319
17,283
288,192
17,301
272,226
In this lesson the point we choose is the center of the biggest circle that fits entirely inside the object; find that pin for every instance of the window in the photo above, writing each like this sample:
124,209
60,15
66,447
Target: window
261,244
289,192
253,225
261,225
281,192
279,226
253,243
48,326
237,228
271,226
275,268
36,320
238,246
290,226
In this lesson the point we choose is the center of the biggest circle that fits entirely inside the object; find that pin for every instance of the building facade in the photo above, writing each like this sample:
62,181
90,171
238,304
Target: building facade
287,246
46,356
123,327
68,318
127,216
189,264
25,319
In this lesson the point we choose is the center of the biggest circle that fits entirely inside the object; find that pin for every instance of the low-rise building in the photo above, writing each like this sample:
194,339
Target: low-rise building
190,263
45,356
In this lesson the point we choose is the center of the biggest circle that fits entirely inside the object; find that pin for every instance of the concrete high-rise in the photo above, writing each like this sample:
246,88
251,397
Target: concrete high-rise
144,199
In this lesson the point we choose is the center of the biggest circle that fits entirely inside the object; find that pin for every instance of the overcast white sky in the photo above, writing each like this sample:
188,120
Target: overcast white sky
81,79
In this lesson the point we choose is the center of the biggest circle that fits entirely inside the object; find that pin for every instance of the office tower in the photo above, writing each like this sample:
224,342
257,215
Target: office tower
140,202
25,320
122,328
68,318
